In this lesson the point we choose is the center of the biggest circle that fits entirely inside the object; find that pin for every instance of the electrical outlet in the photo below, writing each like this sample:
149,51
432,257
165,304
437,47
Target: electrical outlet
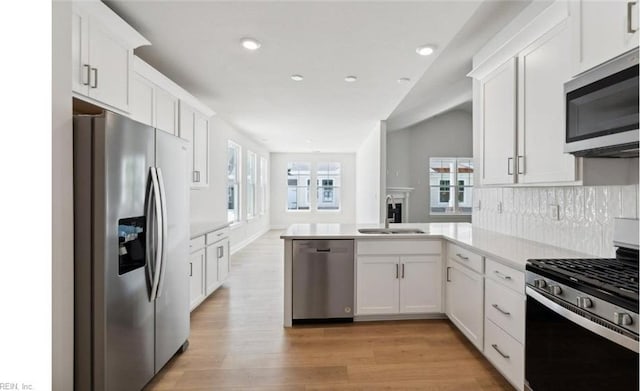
499,206
554,212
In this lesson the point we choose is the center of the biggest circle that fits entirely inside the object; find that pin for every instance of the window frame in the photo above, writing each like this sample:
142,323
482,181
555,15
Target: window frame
297,186
263,186
319,180
236,183
454,190
252,172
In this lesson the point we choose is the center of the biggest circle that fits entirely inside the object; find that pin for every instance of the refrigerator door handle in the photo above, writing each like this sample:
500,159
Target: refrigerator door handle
150,242
159,225
163,208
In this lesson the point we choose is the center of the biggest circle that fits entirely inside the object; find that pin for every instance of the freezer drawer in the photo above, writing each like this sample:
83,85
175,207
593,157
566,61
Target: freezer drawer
323,278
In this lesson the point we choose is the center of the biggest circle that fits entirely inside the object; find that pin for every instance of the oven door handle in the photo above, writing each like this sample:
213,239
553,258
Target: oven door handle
602,331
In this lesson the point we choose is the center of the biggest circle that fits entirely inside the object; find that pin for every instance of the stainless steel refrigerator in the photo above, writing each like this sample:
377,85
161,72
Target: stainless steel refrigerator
131,196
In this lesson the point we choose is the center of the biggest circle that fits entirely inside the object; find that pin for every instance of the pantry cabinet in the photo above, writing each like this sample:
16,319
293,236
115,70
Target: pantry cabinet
398,277
602,30
102,55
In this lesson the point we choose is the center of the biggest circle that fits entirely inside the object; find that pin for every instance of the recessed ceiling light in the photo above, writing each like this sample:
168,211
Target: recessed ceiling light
350,79
250,44
425,50
297,77
404,80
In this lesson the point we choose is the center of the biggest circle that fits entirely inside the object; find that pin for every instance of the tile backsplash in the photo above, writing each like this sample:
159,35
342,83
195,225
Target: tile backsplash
578,218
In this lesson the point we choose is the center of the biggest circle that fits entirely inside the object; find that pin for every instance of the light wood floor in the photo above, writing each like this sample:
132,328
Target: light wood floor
237,342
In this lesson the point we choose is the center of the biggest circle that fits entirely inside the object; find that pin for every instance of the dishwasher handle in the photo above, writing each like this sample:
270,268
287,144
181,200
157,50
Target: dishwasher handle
323,250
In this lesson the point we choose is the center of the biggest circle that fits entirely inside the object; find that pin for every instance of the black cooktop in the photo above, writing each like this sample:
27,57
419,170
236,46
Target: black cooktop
617,277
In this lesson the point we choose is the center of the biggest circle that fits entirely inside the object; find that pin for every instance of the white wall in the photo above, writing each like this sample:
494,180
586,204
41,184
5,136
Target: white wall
408,152
370,181
282,218
211,203
62,200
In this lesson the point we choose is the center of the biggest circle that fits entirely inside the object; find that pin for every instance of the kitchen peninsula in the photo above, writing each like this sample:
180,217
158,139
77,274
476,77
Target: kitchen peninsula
472,276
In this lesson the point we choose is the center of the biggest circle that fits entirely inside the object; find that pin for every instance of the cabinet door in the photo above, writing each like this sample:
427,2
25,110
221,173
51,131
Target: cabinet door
212,281
201,151
141,107
420,284
464,293
166,111
602,30
499,125
111,66
79,51
223,260
377,285
186,127
196,277
543,68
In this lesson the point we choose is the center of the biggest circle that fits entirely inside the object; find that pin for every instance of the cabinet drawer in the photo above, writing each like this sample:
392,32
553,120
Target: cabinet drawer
505,353
505,275
196,243
505,308
466,257
215,236
398,247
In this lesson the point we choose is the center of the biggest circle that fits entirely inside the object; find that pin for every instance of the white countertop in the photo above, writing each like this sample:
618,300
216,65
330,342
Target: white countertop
509,250
202,227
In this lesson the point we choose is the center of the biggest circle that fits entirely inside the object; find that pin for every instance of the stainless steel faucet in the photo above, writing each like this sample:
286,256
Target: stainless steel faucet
386,209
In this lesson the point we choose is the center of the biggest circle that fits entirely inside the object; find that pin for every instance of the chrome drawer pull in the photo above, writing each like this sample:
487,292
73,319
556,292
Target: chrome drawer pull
500,309
503,276
462,257
499,352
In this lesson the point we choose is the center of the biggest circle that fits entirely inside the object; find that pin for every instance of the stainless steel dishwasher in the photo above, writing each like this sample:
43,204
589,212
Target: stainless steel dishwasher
323,281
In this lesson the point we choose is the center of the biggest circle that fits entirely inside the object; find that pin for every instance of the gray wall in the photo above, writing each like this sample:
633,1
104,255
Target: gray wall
408,152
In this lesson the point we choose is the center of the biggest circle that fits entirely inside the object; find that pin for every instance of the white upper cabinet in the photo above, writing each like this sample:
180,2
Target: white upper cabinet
602,30
519,94
142,106
499,125
154,99
543,68
194,127
166,107
102,55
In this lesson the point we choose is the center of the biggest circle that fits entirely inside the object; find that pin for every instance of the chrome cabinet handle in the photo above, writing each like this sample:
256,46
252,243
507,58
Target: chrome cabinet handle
396,270
503,276
630,28
88,74
499,352
448,268
196,176
95,78
462,257
190,269
520,164
509,166
500,309
403,270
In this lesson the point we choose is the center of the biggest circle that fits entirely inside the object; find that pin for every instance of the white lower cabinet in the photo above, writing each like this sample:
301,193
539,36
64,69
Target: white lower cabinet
505,353
464,298
196,277
400,282
208,263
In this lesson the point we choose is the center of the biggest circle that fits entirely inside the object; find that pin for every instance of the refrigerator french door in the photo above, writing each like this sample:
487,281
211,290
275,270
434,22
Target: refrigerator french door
131,201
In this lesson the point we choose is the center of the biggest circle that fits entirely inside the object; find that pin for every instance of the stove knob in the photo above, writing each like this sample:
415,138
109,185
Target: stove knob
622,319
540,283
584,302
555,290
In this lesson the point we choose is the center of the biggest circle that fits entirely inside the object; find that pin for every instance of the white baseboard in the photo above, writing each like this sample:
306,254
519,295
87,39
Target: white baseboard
367,318
247,241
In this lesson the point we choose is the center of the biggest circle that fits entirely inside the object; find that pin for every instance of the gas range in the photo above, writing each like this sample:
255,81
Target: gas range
582,322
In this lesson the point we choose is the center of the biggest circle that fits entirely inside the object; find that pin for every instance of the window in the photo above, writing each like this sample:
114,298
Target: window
263,185
298,184
328,181
443,172
233,184
252,173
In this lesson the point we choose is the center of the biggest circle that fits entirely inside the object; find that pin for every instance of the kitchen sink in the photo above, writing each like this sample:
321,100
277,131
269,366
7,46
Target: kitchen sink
390,231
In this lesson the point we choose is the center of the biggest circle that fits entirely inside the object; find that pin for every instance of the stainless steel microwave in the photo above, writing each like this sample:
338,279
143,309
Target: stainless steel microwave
601,110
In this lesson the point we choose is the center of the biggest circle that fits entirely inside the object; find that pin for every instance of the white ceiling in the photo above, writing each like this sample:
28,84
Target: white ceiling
197,44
